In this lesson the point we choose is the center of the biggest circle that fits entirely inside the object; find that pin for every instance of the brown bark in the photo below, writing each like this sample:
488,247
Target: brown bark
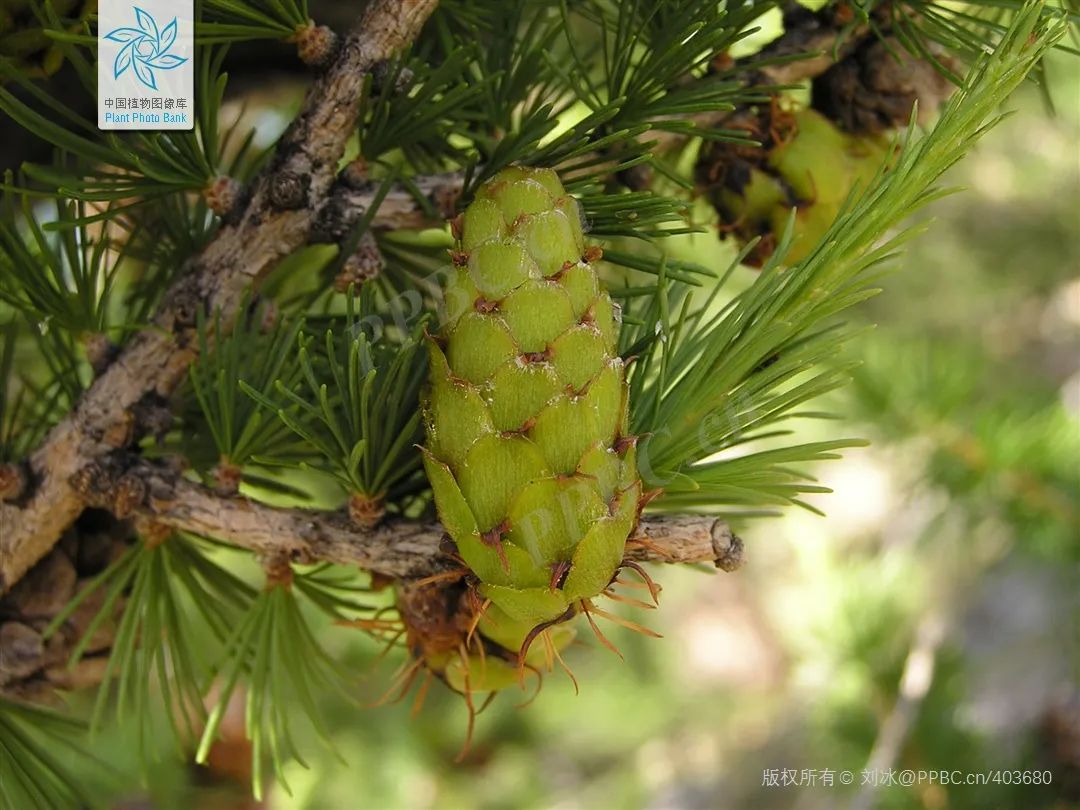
286,198
396,548
33,665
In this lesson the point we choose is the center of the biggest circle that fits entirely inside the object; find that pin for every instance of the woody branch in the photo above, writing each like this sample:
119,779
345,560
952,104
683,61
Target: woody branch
398,548
277,219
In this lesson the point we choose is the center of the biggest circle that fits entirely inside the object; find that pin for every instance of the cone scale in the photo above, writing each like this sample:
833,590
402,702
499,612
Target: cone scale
810,165
534,476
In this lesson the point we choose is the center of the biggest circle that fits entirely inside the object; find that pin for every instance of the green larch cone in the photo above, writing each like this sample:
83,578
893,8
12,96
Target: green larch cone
807,163
534,476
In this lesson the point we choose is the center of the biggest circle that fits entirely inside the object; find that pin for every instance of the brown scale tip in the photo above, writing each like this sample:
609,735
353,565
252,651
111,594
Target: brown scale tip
226,477
315,44
493,539
459,258
365,511
355,174
485,306
152,532
524,428
593,253
129,495
533,634
13,481
222,194
559,570
648,497
365,263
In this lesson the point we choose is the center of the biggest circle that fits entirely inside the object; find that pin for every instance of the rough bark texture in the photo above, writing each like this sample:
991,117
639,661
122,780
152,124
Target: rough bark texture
397,548
278,219
400,208
157,499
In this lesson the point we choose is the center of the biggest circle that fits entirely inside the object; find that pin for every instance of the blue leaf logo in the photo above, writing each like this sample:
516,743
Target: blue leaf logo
146,49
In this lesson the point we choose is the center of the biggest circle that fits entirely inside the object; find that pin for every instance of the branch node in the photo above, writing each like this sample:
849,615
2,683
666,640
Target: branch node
100,351
92,482
120,433
365,511
316,45
151,531
289,190
14,479
727,547
278,569
226,477
129,494
365,263
355,175
223,194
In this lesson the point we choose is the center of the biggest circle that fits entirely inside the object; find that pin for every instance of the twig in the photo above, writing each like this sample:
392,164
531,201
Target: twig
429,203
277,220
397,548
31,669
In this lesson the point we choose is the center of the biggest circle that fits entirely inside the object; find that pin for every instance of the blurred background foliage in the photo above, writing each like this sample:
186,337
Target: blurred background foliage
930,621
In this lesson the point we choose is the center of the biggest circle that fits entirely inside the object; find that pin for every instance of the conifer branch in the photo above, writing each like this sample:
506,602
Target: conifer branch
812,43
278,218
398,548
426,201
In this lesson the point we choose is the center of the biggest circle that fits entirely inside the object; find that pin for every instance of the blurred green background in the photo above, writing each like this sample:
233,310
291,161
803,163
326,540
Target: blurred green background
928,622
